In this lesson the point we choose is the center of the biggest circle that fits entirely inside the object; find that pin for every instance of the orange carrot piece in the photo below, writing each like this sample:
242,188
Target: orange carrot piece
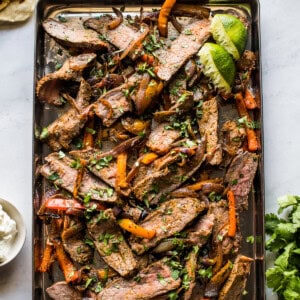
121,170
46,259
135,229
251,135
198,185
163,17
148,158
68,268
222,274
88,139
232,213
249,99
149,59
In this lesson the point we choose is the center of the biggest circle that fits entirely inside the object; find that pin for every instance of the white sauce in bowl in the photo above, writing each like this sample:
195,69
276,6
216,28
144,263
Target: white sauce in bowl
8,231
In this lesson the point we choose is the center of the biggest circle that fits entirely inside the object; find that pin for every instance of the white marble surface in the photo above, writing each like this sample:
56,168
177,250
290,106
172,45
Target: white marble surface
280,27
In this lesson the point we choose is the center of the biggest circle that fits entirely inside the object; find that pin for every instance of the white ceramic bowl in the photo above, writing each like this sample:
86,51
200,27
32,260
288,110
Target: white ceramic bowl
21,234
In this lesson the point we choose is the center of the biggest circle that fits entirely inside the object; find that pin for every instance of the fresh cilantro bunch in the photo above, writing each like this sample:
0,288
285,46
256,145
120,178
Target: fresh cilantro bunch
284,241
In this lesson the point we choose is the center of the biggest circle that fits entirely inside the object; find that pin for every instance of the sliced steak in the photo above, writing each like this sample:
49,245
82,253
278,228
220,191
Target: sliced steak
190,267
78,250
124,37
153,281
170,217
233,137
240,176
164,176
247,62
60,172
199,234
208,127
48,88
161,138
61,290
105,168
183,48
110,243
74,34
62,131
236,283
112,105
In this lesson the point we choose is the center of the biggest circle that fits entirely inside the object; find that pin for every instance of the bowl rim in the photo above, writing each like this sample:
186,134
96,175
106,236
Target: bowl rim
19,241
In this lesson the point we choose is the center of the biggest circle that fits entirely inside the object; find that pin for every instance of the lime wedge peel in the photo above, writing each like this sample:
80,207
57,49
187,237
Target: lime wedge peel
211,70
235,32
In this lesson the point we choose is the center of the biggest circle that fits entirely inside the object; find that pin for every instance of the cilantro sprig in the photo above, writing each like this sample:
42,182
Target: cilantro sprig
284,241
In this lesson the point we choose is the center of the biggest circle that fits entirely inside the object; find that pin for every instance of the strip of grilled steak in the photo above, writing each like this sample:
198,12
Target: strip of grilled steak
183,48
161,138
153,281
122,37
107,171
62,290
170,217
240,177
48,88
112,105
78,250
199,234
208,127
233,137
73,34
60,172
62,131
164,175
190,266
111,244
236,283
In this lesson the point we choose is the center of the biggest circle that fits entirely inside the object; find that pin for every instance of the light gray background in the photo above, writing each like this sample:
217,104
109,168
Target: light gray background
280,27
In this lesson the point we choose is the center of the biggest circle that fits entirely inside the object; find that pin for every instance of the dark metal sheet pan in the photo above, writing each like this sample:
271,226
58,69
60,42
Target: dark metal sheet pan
252,221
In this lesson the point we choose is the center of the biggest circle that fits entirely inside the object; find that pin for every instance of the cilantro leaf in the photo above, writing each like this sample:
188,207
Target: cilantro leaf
286,201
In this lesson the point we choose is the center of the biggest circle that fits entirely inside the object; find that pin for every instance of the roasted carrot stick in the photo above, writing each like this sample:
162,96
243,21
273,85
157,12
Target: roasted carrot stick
88,139
135,229
198,185
148,158
121,170
46,259
249,99
232,213
251,135
68,268
163,17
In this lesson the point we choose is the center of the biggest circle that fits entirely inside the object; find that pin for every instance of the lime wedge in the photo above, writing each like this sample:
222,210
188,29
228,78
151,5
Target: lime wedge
229,32
218,65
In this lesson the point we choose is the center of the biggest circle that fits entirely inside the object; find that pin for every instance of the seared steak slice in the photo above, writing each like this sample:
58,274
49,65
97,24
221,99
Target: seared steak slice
208,127
233,137
123,37
236,283
165,175
199,234
60,172
112,105
240,177
48,88
62,131
184,47
191,266
73,34
170,217
78,250
153,281
161,138
111,244
61,290
105,168
247,62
